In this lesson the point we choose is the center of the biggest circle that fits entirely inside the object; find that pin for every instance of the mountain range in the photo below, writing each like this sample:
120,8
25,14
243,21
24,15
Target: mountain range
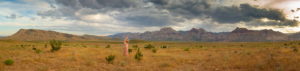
164,34
40,35
199,34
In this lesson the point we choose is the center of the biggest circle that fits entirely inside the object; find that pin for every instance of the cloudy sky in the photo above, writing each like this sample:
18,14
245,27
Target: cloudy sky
106,17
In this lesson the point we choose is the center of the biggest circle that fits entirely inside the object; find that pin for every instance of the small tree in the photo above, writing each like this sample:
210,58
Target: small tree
38,51
107,46
110,59
45,45
186,49
138,56
154,50
55,45
149,46
164,46
8,62
295,49
129,50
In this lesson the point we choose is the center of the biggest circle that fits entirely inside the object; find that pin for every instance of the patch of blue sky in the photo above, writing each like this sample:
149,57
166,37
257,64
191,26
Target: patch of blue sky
13,1
28,13
9,30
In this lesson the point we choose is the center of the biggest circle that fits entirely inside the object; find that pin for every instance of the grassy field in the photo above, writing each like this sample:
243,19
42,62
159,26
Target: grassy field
179,56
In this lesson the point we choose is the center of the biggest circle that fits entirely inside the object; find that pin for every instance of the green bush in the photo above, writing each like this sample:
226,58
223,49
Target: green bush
55,45
38,51
154,50
45,45
84,46
129,50
22,46
164,46
107,46
295,49
33,48
110,59
186,49
285,44
9,62
149,46
138,56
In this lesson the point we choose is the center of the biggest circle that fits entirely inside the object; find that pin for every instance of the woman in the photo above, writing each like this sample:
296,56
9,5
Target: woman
126,41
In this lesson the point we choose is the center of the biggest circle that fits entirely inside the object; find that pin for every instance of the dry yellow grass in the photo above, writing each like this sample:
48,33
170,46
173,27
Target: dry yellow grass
202,56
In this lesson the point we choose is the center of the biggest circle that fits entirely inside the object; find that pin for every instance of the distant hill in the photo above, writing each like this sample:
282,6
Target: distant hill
237,35
37,35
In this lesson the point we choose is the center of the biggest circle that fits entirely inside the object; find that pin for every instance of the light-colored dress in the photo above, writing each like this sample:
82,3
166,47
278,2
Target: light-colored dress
126,44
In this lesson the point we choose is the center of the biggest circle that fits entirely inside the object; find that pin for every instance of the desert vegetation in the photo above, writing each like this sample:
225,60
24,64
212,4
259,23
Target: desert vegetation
169,56
8,62
138,55
55,45
110,59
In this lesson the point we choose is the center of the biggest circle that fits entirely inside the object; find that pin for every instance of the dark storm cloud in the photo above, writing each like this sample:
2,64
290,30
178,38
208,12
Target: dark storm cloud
144,21
99,4
70,3
62,12
223,14
148,17
159,2
68,8
133,12
186,9
245,12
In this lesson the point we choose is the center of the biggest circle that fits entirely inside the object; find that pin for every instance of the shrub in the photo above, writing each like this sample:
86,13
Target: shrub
33,48
186,49
129,50
107,46
295,50
84,46
45,45
164,46
149,46
201,46
154,50
38,51
285,44
110,59
138,56
22,46
9,62
55,45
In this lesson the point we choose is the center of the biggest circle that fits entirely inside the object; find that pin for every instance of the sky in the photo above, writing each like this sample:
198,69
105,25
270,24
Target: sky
107,17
